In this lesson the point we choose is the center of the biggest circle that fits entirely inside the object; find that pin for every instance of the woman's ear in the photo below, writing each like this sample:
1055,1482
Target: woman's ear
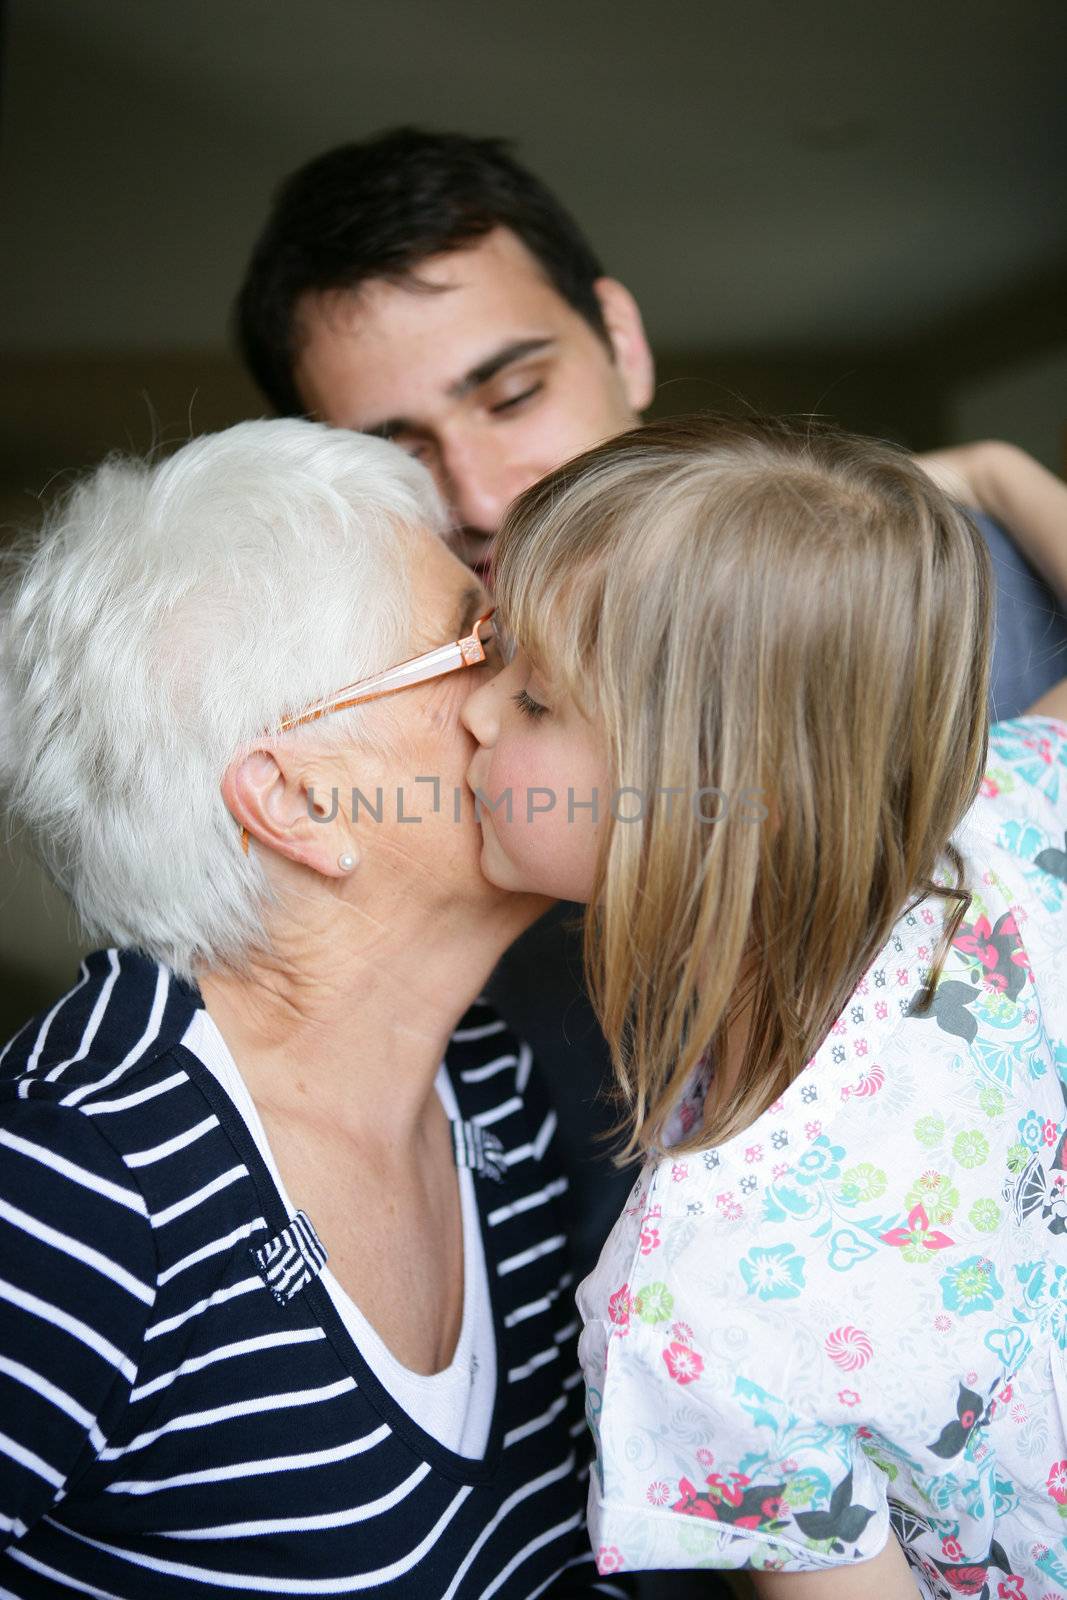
271,797
626,331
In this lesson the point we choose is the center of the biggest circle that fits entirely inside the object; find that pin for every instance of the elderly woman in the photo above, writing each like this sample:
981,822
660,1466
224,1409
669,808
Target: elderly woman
284,1307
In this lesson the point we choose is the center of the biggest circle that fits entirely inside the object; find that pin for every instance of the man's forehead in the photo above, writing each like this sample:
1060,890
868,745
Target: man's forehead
388,349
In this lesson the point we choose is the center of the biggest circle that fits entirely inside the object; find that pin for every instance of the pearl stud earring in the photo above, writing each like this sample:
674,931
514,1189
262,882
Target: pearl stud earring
346,862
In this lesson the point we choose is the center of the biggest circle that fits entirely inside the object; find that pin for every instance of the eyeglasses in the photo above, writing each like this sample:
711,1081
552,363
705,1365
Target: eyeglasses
437,663
466,652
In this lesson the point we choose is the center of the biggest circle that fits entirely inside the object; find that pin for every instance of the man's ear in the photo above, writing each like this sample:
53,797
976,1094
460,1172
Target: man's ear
270,796
626,331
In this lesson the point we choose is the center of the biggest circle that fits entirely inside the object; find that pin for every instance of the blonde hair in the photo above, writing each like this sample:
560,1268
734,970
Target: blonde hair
764,607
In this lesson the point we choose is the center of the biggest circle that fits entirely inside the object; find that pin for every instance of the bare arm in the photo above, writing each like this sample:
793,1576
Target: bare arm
886,1577
1011,486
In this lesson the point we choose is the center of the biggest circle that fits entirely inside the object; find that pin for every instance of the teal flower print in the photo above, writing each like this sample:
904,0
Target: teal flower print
821,1160
774,1273
971,1286
1031,1130
1045,1289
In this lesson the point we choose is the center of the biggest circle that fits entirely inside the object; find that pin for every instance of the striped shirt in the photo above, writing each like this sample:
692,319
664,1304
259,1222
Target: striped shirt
182,1409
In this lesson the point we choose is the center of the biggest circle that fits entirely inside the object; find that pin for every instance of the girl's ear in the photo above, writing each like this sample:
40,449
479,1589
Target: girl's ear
627,334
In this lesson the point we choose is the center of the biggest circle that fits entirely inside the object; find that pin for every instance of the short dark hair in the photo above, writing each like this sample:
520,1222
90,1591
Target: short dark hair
379,208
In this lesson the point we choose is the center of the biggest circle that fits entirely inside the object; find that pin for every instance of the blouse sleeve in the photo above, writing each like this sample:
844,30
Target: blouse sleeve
717,1444
77,1280
701,1460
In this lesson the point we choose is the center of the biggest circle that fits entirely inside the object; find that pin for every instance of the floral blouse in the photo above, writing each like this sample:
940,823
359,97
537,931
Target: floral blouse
851,1318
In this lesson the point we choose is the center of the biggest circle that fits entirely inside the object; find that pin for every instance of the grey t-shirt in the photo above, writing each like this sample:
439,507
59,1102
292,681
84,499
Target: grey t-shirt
1029,633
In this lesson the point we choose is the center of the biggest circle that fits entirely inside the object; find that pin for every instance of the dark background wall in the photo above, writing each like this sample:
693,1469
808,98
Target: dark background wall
843,206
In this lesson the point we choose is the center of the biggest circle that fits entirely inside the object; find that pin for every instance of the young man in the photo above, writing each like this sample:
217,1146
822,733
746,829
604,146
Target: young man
427,288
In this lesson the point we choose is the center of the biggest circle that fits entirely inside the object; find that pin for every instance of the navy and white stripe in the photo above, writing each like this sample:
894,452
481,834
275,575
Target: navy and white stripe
292,1258
182,1411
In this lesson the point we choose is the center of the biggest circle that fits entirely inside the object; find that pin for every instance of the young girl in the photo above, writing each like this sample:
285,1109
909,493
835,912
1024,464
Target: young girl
746,722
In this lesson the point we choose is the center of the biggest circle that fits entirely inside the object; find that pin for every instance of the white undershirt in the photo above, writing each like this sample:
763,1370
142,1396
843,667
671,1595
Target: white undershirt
454,1406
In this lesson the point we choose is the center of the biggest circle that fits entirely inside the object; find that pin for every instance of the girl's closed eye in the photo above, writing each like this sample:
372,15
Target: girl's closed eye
529,706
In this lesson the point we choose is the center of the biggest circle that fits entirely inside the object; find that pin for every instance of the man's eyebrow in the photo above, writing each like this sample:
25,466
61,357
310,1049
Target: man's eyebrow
506,356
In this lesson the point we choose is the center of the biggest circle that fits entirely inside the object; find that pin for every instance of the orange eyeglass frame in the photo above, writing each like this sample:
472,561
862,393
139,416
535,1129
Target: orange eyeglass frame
469,651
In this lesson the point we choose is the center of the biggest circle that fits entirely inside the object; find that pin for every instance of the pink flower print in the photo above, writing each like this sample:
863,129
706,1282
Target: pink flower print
1019,1412
1011,1588
1056,1482
754,1153
608,1559
902,977
730,1487
862,987
656,1493
779,1170
861,1047
838,1027
706,1458
1006,1393
974,941
995,982
776,1106
927,916
848,1397
942,1323
1021,959
988,789
917,1233
952,1550
1050,1132
881,1010
813,1129
679,1172
650,1239
683,1364
924,950
682,1331
849,1348
620,1305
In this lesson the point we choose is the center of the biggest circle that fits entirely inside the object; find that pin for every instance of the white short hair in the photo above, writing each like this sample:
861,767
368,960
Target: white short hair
168,613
